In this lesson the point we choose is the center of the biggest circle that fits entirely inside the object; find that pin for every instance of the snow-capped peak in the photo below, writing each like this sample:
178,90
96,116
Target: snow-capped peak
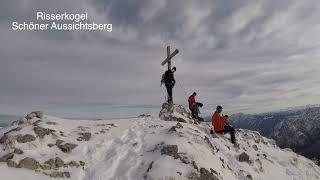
142,148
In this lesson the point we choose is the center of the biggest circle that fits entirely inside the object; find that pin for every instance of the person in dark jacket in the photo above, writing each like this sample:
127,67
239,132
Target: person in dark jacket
194,106
169,81
196,111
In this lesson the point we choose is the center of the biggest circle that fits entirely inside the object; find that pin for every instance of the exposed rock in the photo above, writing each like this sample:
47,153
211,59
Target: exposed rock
237,146
170,150
57,174
9,142
107,124
59,141
51,123
144,116
3,139
39,114
37,123
213,171
6,157
84,136
19,121
155,126
177,126
173,129
73,164
51,145
62,134
193,163
259,165
81,128
173,118
145,176
11,163
54,163
41,132
255,147
206,175
67,174
102,132
59,162
67,147
14,129
30,116
176,113
207,141
25,138
157,147
17,151
82,163
29,163
51,163
45,167
264,155
244,157
193,176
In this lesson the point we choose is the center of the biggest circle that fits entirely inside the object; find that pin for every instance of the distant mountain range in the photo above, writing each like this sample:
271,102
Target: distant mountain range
295,128
5,120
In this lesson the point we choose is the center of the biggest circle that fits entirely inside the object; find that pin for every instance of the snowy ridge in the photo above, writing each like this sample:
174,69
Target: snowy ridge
143,148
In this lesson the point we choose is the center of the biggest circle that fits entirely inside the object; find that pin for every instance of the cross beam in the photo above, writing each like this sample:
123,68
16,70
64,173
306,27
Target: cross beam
169,57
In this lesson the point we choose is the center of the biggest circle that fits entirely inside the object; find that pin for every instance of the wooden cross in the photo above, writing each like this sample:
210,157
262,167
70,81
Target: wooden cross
168,61
169,57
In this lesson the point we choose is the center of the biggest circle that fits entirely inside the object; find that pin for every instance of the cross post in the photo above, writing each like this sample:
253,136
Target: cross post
168,61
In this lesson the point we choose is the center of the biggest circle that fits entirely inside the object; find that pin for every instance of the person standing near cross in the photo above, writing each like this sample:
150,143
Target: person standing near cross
169,82
168,76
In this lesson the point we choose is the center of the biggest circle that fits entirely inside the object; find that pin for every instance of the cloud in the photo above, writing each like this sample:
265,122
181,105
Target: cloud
252,56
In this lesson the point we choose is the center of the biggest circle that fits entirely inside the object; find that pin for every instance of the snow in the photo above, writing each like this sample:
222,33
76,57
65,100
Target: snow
125,149
18,174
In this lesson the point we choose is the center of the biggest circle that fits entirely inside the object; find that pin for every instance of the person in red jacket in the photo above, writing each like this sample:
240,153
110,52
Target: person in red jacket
192,102
220,124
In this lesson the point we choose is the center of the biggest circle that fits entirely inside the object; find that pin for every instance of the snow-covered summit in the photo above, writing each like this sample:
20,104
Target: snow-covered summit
41,147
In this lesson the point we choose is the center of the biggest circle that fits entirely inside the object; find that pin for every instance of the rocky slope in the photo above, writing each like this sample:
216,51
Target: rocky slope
40,147
298,129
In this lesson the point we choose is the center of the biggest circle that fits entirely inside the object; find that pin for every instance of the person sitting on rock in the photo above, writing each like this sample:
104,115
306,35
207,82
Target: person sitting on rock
220,124
196,111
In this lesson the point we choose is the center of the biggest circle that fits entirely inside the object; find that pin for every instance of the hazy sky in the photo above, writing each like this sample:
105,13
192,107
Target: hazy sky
249,56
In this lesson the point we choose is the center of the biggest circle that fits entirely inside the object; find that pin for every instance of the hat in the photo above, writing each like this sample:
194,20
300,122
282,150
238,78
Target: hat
219,107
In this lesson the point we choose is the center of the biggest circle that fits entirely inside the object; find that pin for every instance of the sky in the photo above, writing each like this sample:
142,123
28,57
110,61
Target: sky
249,56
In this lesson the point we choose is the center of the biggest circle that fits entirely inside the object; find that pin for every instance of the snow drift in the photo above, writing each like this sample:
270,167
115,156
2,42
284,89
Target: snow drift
41,147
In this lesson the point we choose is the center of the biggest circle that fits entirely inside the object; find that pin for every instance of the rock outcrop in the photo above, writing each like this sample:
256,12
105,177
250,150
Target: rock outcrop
176,113
67,147
25,138
41,132
29,163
